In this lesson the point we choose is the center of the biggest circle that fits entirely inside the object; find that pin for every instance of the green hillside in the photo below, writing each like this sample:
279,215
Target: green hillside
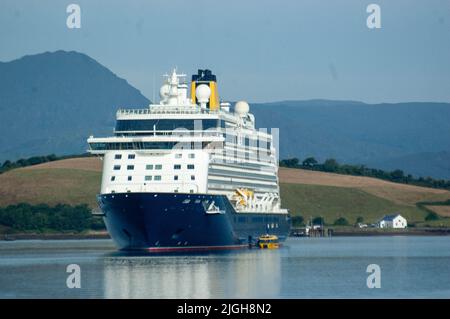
331,202
50,186
305,193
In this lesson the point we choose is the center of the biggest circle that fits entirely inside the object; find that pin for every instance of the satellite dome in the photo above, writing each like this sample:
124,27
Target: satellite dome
203,92
241,108
164,91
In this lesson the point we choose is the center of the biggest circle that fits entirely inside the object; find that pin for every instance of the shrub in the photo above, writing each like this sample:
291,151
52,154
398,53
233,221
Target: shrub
318,221
341,221
432,216
61,217
297,221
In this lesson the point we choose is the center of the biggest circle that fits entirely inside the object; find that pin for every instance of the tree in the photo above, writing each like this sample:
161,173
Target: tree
341,221
290,162
360,219
7,163
309,162
397,175
432,216
22,162
52,157
318,221
297,221
330,165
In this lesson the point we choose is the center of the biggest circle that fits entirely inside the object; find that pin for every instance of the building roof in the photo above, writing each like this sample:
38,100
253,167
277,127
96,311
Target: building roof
390,218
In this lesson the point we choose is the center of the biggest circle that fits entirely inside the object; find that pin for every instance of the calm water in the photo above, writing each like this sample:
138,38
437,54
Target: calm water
411,267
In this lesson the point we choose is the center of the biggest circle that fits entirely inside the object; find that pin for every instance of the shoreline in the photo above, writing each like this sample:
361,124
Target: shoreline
53,236
335,233
349,232
431,232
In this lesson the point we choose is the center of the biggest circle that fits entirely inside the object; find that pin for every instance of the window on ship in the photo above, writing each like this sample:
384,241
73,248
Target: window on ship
165,124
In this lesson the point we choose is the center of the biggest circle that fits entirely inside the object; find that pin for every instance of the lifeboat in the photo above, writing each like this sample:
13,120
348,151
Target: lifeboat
268,242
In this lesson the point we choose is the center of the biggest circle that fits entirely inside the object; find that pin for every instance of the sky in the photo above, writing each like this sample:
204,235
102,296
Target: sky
260,50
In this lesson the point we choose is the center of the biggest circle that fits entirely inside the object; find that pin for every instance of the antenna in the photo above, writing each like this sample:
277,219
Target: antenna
153,99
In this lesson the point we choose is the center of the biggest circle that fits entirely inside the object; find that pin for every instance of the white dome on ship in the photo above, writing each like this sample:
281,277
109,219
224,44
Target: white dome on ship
164,91
203,92
241,108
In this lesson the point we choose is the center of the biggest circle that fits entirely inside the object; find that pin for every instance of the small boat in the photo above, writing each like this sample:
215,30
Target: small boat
268,242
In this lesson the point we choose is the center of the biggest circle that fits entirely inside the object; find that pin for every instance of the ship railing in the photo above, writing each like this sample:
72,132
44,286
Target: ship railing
154,187
166,110
179,132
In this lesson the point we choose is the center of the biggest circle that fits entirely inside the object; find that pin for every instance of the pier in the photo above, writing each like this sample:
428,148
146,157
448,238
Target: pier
311,232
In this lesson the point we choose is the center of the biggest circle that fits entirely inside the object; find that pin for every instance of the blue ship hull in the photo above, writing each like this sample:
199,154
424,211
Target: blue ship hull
159,222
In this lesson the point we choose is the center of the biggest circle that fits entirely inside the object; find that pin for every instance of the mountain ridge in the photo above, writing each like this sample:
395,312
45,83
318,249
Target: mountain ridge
51,102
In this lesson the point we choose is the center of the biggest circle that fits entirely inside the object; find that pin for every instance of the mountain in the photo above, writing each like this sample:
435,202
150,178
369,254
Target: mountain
414,137
423,164
51,102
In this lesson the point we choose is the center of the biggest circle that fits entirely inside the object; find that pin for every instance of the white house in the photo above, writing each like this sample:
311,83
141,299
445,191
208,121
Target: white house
393,221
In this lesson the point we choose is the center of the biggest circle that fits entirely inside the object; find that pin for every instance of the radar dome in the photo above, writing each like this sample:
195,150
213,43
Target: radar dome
164,91
203,92
241,108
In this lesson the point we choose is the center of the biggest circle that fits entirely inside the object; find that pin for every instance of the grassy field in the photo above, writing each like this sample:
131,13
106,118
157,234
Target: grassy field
50,186
311,194
305,193
398,193
332,202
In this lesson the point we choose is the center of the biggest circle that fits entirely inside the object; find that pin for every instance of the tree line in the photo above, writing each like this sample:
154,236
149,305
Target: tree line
298,221
332,166
34,160
42,217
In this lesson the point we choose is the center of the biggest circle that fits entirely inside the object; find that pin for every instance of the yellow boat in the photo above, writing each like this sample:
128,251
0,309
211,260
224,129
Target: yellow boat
268,242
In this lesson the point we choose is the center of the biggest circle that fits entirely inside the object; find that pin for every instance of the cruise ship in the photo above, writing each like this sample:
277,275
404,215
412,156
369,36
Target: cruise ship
189,173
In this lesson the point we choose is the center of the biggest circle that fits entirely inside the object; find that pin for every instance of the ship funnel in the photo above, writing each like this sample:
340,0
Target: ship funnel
205,77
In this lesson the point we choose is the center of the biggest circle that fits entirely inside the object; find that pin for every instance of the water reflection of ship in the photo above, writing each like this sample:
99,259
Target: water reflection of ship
244,274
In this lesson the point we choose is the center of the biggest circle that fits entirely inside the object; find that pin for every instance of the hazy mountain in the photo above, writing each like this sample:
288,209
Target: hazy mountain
435,164
50,103
410,136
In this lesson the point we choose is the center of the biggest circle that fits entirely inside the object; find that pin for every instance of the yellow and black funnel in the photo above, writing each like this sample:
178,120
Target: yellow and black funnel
206,77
